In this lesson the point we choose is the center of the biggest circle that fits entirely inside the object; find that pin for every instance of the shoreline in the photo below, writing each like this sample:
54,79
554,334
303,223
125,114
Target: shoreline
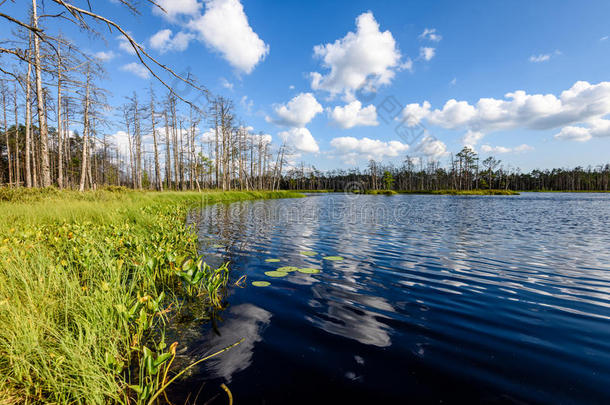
88,282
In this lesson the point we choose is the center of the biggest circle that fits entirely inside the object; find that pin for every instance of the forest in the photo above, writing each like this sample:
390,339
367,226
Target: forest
464,171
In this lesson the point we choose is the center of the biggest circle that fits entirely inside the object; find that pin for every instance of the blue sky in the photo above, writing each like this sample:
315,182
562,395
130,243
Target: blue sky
262,55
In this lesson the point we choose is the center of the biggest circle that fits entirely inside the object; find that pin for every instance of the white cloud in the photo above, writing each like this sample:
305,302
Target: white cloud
583,103
137,69
597,128
174,8
414,113
523,148
104,56
353,114
571,133
291,87
471,138
604,38
352,148
226,84
543,57
426,53
430,34
125,45
432,147
209,135
453,82
407,65
503,149
121,140
365,55
163,41
301,139
298,111
225,28
260,138
246,104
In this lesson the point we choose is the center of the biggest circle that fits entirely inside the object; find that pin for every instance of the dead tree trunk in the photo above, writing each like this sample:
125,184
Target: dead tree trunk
42,119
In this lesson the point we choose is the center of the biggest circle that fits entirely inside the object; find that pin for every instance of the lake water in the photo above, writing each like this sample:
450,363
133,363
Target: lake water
502,299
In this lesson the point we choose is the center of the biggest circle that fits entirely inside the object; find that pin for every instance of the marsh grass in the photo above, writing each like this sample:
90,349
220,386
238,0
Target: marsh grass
87,283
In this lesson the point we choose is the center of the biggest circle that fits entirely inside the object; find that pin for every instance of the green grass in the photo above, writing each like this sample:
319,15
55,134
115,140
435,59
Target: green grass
462,192
313,191
87,283
381,192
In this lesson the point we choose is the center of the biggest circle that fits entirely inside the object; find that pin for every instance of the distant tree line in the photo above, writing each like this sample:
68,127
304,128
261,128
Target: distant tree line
464,171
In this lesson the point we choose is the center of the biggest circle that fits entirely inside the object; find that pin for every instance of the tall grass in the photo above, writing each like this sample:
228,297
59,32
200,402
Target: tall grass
83,281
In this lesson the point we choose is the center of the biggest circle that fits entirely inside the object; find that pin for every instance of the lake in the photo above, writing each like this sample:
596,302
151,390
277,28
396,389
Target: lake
496,299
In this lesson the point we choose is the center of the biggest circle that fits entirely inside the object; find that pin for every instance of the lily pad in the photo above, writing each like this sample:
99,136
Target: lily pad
307,253
333,258
276,273
261,283
287,269
308,270
272,260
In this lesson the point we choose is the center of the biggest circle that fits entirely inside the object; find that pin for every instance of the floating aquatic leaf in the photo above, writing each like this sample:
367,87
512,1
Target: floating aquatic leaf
308,270
272,260
333,258
308,253
276,273
261,283
287,269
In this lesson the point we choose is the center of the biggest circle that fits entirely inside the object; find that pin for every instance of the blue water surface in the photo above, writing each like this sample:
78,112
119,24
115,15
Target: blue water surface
439,299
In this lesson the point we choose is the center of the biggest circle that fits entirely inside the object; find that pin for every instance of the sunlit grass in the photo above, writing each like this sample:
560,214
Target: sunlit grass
83,281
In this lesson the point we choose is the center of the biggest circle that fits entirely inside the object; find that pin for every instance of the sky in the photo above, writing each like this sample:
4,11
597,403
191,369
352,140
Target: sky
343,82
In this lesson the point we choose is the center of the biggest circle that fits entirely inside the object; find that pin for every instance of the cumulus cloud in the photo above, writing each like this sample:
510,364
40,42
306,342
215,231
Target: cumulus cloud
367,56
503,149
224,27
430,34
173,8
104,56
432,147
137,69
471,138
597,128
353,149
353,114
298,112
426,53
301,139
163,41
583,103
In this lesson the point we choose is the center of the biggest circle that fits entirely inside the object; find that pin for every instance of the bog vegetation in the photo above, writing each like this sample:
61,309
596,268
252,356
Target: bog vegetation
88,282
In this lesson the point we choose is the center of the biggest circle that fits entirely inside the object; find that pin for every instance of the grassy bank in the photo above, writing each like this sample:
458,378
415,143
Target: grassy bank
87,282
381,192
